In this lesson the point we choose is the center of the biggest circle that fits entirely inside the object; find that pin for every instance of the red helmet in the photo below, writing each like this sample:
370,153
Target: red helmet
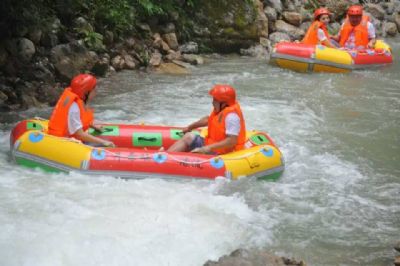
321,11
355,10
82,84
223,93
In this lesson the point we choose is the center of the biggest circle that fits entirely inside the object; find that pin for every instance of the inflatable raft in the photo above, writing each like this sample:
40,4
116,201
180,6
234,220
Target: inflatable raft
137,153
318,58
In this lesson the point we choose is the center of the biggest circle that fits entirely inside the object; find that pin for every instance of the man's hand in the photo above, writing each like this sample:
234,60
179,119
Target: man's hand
186,130
109,144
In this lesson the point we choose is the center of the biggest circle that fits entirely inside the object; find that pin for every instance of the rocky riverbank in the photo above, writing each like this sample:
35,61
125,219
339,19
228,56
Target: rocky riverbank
37,63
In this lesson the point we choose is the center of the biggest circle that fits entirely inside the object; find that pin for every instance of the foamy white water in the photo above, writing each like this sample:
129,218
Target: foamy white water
336,204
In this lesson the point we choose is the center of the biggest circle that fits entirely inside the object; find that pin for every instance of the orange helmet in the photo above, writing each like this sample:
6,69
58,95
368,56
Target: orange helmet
321,11
223,93
82,84
355,10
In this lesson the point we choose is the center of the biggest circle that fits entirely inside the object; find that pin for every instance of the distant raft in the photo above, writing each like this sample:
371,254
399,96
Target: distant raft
318,58
138,153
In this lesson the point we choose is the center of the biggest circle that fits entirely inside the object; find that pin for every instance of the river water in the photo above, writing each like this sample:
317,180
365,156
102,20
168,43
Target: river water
337,202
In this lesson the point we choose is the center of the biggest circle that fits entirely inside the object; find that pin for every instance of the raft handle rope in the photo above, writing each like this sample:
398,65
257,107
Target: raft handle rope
245,156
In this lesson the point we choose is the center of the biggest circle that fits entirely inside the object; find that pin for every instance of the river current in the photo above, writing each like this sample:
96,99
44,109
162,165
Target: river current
337,202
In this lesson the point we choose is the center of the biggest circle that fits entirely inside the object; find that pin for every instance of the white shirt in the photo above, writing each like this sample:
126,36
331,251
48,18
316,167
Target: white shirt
321,35
350,43
232,124
74,119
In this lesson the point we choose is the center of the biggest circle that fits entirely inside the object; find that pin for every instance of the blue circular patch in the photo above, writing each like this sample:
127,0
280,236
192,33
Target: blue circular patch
217,163
370,52
35,137
267,152
98,154
159,157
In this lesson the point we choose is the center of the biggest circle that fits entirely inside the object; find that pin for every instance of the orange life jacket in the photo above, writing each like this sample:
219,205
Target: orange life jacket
311,36
360,32
216,128
58,123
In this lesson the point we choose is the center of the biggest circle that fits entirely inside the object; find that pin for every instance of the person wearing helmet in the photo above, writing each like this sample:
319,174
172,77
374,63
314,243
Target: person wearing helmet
357,32
317,33
226,126
72,116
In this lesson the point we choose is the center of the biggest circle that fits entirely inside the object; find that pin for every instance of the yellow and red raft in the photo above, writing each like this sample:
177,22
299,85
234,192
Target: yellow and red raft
318,58
138,153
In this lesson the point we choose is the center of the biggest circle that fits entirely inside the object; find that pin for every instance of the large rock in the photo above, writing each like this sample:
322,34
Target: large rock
272,17
389,7
278,37
294,32
257,51
173,55
71,59
155,59
228,25
171,40
293,18
270,13
376,10
172,68
193,59
390,28
21,48
262,20
275,4
242,257
118,62
189,48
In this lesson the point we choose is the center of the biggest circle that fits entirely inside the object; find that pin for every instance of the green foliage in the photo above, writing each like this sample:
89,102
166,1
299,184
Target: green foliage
92,39
118,16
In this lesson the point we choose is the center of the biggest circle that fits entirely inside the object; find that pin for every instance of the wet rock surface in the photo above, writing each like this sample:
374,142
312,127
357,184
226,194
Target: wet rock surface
243,257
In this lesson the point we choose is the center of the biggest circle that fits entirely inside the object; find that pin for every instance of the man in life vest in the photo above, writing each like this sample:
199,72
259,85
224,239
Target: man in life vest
357,32
72,116
317,33
226,126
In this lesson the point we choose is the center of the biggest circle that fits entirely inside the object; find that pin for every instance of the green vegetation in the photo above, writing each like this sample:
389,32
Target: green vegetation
118,16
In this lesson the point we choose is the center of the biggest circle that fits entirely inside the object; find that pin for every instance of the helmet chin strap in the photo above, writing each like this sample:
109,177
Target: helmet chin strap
86,97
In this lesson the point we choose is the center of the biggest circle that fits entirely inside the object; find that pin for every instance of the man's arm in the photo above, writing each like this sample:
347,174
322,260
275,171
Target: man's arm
86,137
202,122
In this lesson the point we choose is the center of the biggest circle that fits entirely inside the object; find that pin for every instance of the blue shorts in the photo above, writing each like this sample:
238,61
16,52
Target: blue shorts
198,142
